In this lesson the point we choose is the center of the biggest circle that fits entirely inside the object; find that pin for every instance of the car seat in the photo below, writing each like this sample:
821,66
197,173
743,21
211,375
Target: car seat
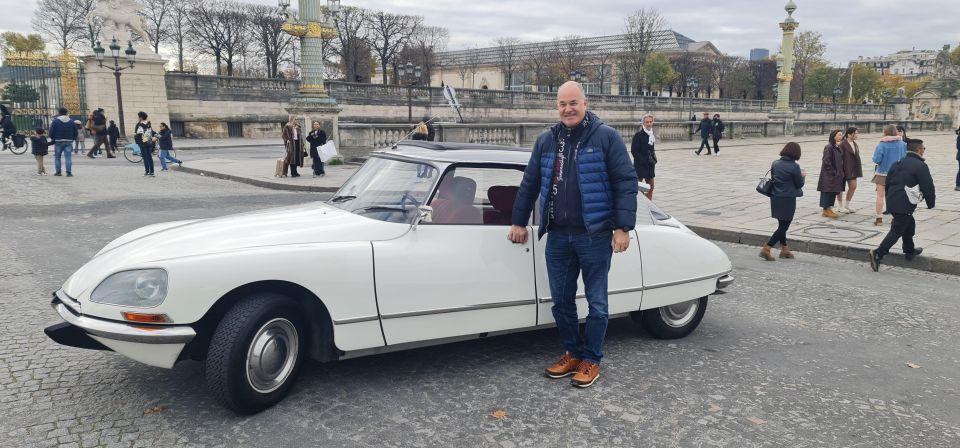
501,198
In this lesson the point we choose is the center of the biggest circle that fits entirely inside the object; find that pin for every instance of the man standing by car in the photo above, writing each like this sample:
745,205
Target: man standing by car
908,182
587,188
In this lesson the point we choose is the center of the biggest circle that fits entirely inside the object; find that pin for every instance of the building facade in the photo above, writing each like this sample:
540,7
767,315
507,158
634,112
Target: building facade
759,54
908,63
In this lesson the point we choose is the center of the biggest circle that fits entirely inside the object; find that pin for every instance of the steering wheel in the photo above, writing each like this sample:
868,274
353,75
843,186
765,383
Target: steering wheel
407,196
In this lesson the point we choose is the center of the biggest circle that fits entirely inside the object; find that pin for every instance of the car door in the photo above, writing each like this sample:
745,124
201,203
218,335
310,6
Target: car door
457,275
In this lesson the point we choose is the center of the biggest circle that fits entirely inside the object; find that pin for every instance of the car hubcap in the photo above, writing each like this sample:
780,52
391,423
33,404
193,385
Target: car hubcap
679,314
272,355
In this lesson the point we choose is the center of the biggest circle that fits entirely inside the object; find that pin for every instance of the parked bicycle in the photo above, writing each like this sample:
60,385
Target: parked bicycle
131,152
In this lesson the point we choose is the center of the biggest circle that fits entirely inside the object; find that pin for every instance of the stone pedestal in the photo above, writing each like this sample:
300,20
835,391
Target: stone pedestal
787,117
901,108
324,110
143,88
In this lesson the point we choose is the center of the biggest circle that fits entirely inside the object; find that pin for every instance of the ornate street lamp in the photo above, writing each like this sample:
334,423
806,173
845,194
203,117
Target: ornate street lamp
99,52
785,65
409,75
837,91
312,29
886,100
692,86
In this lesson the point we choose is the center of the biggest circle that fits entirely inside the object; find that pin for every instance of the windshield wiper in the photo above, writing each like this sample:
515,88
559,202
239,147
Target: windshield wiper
342,198
380,208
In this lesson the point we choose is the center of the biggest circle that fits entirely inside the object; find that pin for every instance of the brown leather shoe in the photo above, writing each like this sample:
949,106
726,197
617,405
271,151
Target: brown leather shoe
878,222
829,213
565,366
765,253
785,252
587,372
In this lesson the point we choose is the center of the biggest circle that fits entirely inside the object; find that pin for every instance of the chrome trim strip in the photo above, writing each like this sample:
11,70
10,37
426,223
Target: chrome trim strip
612,292
484,306
124,332
657,286
724,281
68,301
355,320
689,280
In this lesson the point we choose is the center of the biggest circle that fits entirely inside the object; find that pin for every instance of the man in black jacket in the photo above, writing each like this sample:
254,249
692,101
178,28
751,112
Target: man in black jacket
717,134
706,131
908,182
114,133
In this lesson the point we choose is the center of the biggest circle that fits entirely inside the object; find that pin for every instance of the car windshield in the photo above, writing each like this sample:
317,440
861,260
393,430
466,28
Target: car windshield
386,189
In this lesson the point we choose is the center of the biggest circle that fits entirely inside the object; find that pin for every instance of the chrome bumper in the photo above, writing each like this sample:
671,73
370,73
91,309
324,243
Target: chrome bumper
125,332
723,282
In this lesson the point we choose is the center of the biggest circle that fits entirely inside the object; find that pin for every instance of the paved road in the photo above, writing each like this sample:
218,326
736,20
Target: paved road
807,353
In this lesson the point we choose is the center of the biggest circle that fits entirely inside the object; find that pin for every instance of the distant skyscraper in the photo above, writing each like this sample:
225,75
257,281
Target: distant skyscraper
759,54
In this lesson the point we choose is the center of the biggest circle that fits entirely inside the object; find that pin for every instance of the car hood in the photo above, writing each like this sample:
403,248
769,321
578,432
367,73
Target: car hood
295,225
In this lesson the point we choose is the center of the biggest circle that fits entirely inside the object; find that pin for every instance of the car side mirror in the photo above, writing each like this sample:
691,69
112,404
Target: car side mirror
424,214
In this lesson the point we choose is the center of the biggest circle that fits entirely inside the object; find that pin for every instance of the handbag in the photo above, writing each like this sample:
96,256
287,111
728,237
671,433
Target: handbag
765,186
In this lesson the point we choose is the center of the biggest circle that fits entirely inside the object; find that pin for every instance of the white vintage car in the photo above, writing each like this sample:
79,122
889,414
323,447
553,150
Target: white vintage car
412,251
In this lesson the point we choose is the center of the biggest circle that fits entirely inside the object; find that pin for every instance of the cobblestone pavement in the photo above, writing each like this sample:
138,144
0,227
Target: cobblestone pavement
807,353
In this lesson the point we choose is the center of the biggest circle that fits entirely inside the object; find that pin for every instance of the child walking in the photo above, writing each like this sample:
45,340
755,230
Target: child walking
38,148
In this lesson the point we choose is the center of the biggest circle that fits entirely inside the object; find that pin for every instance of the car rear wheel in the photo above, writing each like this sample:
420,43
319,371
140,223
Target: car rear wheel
673,321
255,353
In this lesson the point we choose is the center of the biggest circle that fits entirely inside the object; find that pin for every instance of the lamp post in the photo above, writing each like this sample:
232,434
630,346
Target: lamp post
312,29
99,52
837,91
692,86
785,64
886,101
410,76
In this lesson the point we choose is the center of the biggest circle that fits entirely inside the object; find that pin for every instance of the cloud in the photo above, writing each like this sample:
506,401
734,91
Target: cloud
850,28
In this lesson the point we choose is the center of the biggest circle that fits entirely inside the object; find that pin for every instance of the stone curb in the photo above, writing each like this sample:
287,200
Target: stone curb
936,265
256,182
248,145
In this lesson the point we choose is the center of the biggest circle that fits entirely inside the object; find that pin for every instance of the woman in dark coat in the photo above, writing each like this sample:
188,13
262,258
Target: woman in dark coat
788,180
317,138
832,179
852,166
644,154
293,140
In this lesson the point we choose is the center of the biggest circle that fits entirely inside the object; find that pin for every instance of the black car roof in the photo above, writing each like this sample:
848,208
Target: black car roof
458,152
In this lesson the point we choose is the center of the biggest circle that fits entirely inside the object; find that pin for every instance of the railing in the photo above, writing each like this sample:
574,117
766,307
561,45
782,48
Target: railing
186,86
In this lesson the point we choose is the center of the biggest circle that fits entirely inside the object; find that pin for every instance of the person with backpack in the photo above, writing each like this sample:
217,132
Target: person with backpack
788,180
718,128
907,183
142,137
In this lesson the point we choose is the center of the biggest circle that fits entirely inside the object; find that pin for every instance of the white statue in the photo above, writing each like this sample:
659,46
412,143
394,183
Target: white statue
119,19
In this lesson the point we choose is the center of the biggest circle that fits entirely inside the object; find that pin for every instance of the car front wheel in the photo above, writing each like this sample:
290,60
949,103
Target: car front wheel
255,353
673,321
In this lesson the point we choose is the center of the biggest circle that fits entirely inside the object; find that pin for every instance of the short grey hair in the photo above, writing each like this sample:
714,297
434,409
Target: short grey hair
645,117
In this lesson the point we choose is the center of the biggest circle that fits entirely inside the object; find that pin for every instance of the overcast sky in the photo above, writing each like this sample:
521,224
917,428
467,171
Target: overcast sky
850,28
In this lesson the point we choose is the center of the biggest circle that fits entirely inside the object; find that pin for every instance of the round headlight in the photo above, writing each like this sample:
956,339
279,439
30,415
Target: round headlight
143,288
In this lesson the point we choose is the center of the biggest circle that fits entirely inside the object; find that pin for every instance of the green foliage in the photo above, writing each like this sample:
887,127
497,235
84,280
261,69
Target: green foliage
955,55
20,93
335,161
14,41
657,70
822,80
866,83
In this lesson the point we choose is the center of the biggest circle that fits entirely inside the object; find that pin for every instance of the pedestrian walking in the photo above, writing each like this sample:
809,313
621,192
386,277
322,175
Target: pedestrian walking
431,132
99,131
164,139
890,150
957,188
317,138
832,179
706,131
718,128
7,127
293,140
114,134
576,155
80,143
908,182
644,154
38,147
852,167
143,137
63,132
788,180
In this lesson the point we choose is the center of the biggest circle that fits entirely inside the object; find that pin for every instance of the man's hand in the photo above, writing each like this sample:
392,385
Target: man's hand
621,241
518,234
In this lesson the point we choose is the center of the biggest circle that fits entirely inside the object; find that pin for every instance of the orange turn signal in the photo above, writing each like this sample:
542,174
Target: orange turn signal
146,318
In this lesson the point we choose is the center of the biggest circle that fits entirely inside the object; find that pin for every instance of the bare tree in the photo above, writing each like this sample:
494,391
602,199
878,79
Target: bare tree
388,34
571,52
808,51
720,68
462,69
178,27
205,34
91,25
424,46
640,32
353,49
59,22
155,14
236,38
508,49
272,42
472,64
538,62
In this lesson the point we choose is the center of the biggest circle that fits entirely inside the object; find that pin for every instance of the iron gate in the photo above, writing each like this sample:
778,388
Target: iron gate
37,85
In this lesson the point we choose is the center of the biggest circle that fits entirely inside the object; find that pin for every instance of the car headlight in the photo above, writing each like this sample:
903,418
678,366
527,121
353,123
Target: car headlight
143,288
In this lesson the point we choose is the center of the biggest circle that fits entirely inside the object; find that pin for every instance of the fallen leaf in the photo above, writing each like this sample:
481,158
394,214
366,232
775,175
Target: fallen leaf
913,366
714,408
153,410
499,414
756,421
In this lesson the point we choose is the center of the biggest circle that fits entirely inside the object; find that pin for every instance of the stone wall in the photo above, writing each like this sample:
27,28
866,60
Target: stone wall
142,88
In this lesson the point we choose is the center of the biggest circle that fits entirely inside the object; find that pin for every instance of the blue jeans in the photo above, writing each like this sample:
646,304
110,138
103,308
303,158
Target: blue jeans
147,153
567,255
65,148
164,157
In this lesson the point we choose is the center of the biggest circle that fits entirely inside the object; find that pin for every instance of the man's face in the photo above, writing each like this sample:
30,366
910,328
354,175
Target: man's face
706,116
572,105
922,149
648,122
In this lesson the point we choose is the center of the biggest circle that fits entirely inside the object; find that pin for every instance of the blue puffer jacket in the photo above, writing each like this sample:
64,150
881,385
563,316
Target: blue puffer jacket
887,153
62,129
608,183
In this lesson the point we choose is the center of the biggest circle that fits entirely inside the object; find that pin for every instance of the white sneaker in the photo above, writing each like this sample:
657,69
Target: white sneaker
847,209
